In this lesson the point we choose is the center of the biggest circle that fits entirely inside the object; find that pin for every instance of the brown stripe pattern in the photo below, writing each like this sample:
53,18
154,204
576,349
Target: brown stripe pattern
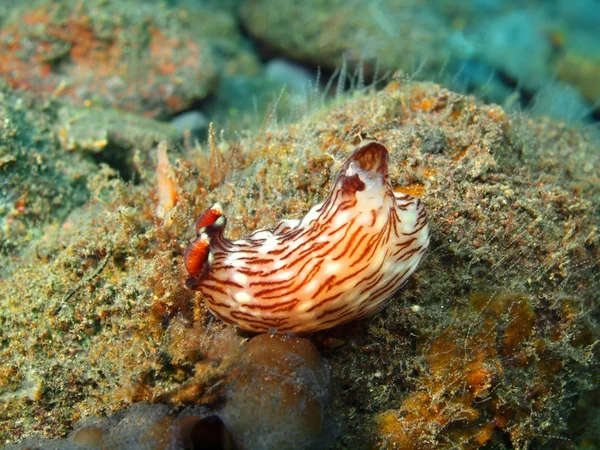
341,262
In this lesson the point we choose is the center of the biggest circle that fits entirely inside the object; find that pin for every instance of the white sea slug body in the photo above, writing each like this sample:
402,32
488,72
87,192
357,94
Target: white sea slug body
341,262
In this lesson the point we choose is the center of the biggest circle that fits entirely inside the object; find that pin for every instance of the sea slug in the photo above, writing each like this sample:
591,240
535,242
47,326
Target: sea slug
341,262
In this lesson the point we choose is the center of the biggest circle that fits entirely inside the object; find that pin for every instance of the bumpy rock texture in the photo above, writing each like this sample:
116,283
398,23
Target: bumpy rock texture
37,184
48,154
491,342
129,55
394,35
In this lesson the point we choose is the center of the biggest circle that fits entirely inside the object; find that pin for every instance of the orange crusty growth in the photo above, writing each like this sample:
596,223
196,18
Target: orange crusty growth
66,49
459,402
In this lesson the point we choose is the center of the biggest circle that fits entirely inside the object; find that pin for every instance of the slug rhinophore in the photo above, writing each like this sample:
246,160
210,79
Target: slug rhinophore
341,262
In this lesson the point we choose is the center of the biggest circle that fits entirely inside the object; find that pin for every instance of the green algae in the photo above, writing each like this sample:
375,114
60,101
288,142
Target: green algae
50,150
96,314
110,136
36,184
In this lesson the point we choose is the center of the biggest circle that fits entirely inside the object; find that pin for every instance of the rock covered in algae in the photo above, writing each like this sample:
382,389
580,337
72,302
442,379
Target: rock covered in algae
490,343
37,185
295,30
111,136
50,151
278,397
142,427
130,55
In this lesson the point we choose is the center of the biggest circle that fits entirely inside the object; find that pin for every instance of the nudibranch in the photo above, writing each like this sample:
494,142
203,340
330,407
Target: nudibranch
341,262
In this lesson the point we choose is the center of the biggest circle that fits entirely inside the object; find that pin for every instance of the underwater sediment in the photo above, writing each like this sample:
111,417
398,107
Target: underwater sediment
493,340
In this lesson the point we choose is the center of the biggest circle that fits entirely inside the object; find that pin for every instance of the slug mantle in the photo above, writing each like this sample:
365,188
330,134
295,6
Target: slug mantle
341,262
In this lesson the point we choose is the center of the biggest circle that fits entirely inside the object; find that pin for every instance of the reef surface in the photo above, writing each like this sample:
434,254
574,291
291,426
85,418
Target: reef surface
493,341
